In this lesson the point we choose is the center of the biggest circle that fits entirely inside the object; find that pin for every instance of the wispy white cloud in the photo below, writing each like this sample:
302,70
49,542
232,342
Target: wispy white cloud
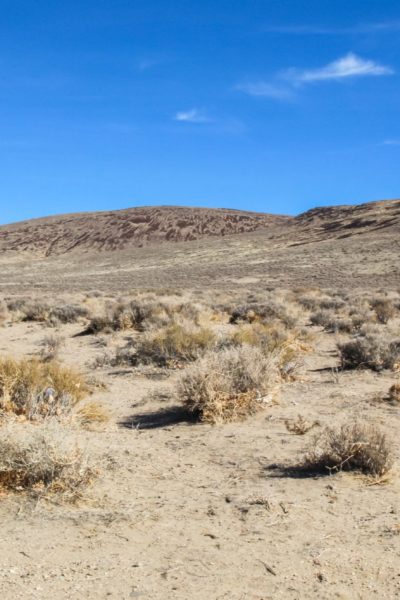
348,66
266,90
284,85
192,116
357,29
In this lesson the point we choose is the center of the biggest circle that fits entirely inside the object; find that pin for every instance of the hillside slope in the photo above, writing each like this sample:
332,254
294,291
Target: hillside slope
347,220
132,227
334,246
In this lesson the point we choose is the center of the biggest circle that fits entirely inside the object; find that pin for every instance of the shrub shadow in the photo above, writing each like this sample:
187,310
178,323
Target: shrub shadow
173,415
298,471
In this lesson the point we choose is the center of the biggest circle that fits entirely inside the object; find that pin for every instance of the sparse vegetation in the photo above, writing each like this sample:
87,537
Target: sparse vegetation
384,309
352,447
174,344
229,384
42,460
287,345
37,390
264,313
67,313
35,311
51,345
374,352
45,312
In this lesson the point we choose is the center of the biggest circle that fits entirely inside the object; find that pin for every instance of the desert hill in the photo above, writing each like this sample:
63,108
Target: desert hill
346,246
132,227
117,230
347,220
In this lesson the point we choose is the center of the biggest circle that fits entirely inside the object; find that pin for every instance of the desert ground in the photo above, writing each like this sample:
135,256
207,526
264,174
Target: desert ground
167,415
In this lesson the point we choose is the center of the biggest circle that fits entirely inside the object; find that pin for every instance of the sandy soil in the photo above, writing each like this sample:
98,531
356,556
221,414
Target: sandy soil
184,510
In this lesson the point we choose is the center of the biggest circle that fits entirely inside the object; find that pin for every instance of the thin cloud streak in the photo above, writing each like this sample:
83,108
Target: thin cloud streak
191,116
263,89
286,83
348,66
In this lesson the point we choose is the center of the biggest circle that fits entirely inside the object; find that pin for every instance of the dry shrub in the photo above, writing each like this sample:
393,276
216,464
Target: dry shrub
322,318
41,460
35,310
99,324
287,345
67,313
300,426
186,310
384,309
264,313
309,301
92,414
228,384
394,392
130,316
352,447
331,303
37,390
174,344
121,316
51,346
42,312
15,304
340,323
374,352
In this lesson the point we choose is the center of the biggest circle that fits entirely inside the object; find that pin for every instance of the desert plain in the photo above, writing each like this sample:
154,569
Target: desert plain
201,405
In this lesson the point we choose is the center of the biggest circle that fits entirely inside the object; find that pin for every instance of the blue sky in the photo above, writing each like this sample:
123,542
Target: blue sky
270,105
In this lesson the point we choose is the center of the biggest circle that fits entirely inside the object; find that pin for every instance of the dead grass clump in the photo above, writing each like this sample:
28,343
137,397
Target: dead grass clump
92,414
300,426
394,392
37,390
374,352
174,344
352,447
287,345
384,309
228,384
42,460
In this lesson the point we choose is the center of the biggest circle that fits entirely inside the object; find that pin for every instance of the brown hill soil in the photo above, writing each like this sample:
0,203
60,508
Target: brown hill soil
345,221
133,227
353,247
